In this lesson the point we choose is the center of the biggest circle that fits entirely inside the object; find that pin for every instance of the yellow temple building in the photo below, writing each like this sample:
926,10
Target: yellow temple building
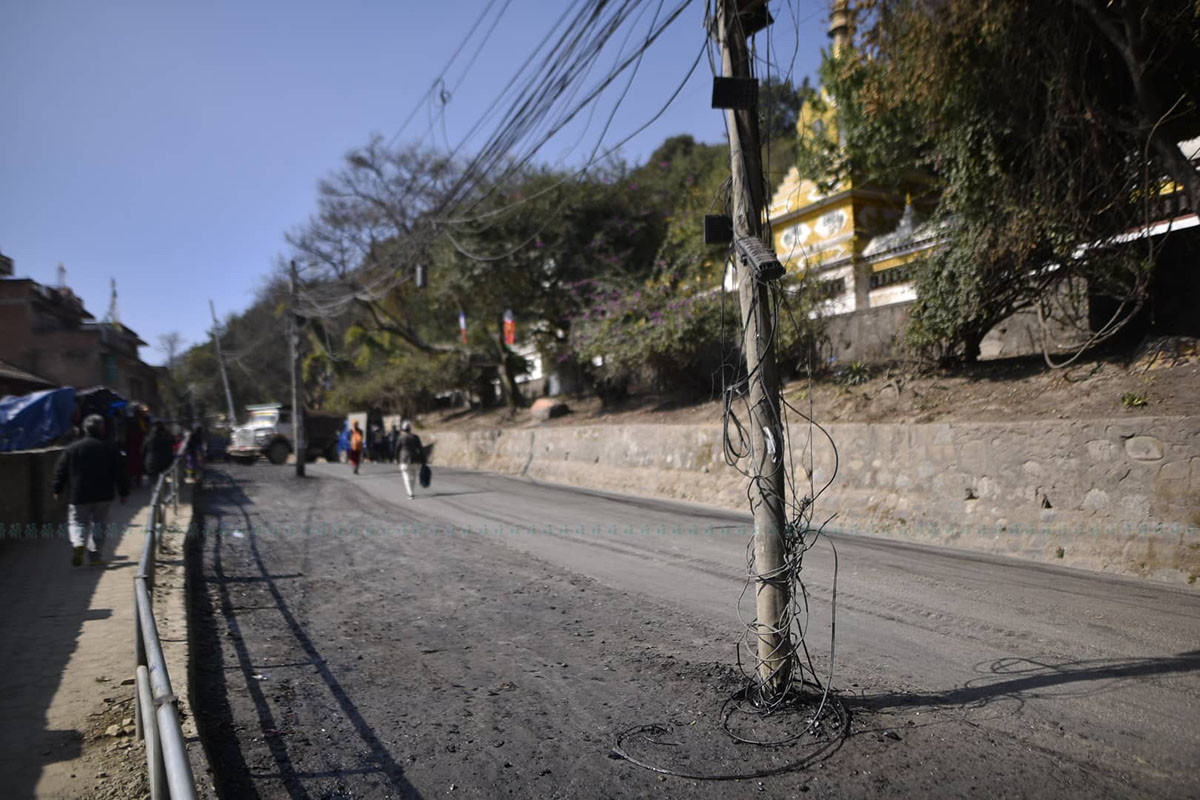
859,242
855,239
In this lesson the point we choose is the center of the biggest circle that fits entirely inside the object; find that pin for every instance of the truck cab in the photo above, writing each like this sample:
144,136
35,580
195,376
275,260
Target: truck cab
268,431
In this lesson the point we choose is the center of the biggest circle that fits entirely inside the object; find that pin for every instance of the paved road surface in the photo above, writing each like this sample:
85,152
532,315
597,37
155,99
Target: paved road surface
506,663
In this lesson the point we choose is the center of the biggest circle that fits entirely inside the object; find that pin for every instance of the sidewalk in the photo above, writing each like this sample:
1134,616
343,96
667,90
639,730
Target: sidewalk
67,661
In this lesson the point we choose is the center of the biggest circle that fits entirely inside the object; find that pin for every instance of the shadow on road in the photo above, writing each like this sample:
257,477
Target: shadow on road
1023,678
225,499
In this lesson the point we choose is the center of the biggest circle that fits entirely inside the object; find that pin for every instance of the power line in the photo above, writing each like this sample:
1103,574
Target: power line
454,56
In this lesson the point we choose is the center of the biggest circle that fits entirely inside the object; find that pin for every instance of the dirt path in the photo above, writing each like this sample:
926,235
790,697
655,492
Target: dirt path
339,661
66,652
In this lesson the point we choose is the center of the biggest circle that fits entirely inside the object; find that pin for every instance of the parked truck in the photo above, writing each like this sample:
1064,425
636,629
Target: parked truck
268,432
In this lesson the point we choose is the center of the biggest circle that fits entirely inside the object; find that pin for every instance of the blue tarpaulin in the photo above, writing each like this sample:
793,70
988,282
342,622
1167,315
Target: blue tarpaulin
35,420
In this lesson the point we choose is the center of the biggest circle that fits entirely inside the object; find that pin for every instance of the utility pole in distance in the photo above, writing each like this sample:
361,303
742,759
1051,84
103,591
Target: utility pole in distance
221,362
297,394
758,347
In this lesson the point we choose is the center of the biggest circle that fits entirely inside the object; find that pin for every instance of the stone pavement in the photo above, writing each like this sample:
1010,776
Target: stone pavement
67,660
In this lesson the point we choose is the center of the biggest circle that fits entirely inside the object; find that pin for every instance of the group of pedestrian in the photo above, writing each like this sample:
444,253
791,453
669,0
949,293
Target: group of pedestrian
401,446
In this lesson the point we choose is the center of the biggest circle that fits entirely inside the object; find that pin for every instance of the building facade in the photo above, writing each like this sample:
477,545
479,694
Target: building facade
46,331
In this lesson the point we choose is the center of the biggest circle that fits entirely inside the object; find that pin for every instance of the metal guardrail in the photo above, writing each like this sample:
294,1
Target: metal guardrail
157,708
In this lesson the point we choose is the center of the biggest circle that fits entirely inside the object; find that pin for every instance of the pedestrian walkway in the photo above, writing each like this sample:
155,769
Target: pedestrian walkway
67,658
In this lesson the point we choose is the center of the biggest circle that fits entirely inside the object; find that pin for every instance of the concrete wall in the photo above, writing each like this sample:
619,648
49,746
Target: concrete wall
872,335
25,496
1113,495
876,335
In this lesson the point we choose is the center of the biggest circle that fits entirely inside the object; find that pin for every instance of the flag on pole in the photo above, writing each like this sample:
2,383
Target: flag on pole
510,328
462,325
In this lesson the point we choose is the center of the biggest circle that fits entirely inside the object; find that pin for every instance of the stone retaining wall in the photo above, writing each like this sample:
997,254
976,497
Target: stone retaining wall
25,489
1115,495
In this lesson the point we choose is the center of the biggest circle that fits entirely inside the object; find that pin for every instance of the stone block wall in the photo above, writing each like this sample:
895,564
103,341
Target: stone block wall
1115,495
25,495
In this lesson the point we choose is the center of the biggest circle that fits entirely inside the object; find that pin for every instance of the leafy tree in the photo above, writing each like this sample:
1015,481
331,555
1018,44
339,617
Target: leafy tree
542,246
655,334
779,104
779,108
1046,126
686,180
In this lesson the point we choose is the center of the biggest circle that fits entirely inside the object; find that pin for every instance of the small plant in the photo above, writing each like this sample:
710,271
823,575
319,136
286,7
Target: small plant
1059,553
852,374
1133,400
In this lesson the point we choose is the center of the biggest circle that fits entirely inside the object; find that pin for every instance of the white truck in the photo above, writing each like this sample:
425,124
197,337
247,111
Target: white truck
268,432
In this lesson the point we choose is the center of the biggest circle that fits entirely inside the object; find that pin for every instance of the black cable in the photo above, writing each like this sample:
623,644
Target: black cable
791,658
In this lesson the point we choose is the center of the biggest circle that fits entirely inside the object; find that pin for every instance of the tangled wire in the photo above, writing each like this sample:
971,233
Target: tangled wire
782,691
774,654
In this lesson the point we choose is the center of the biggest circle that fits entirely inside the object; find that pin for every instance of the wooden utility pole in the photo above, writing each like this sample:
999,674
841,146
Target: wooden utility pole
297,394
221,362
758,346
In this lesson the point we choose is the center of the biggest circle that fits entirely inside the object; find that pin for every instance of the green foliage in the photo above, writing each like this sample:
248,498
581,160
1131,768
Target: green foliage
779,105
1133,400
855,373
853,137
256,359
656,335
1043,127
611,264
684,181
402,382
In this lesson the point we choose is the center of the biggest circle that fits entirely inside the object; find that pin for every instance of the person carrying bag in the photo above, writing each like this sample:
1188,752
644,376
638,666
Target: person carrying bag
411,454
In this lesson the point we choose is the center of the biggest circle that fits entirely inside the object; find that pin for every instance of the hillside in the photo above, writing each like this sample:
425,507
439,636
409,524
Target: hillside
1114,385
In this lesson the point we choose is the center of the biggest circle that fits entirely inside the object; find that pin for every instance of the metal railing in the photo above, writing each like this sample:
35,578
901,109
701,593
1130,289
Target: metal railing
157,708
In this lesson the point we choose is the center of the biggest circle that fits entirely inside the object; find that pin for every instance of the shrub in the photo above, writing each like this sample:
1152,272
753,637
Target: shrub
656,335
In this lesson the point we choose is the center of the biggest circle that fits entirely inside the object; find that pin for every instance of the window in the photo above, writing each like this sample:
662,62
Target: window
890,276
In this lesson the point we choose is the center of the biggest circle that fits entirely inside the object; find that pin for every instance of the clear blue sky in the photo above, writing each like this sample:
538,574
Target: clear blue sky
171,145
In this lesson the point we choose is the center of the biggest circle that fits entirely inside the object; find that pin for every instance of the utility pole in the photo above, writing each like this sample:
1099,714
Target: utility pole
221,362
297,394
758,346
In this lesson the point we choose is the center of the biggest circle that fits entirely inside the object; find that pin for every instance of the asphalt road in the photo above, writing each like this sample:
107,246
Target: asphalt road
396,655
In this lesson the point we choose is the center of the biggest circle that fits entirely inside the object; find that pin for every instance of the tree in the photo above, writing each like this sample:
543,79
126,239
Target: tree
1046,127
544,245
779,106
374,225
170,345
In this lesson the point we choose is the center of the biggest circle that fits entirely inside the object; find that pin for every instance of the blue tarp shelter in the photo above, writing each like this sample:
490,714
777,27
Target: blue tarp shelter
35,420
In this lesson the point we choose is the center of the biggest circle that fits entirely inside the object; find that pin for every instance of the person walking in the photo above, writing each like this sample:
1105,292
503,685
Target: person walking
343,444
411,455
194,454
160,453
373,438
135,436
356,446
393,441
95,471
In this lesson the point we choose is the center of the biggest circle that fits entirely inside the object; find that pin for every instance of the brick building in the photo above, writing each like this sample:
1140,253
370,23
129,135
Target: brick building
46,331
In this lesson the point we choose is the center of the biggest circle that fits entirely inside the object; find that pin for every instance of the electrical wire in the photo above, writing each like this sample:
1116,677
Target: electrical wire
780,677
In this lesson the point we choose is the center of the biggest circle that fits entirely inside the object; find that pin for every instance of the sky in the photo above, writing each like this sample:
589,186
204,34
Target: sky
172,145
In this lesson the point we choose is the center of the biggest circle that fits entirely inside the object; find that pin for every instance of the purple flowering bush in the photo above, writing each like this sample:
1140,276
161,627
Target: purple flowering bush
656,335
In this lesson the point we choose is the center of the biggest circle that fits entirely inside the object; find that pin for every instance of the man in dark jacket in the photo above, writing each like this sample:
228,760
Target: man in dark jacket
411,455
94,469
160,453
393,443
